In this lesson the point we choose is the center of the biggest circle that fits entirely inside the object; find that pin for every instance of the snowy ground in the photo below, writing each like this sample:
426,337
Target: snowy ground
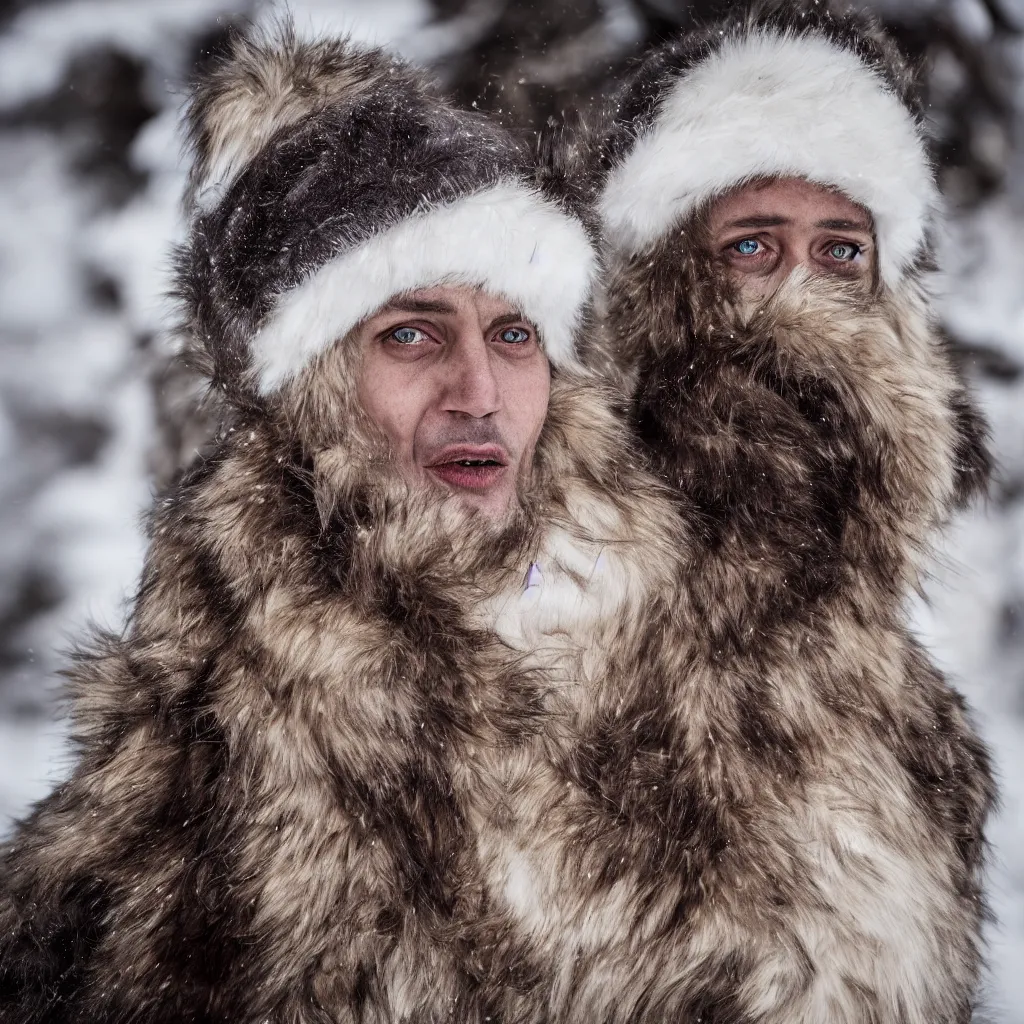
81,280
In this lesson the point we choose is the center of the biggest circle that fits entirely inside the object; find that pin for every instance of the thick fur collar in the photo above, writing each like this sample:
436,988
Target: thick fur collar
766,98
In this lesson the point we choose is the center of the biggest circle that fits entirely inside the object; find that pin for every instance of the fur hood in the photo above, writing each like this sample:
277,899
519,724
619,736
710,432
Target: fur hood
775,90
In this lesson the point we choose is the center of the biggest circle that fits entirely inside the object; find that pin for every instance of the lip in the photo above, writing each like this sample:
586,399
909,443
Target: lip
448,466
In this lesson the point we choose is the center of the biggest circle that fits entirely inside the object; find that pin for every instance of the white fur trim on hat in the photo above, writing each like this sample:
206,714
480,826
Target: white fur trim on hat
771,104
506,239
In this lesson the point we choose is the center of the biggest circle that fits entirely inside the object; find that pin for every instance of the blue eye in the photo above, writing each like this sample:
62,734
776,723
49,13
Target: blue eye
515,335
747,246
844,251
407,335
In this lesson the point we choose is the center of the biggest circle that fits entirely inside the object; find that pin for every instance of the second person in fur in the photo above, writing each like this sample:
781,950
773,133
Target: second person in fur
767,199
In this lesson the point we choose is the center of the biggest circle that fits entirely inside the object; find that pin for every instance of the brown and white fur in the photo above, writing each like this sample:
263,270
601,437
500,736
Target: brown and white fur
826,790
646,752
294,762
835,789
345,766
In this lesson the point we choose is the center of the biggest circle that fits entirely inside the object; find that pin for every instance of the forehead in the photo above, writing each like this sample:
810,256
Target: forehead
793,200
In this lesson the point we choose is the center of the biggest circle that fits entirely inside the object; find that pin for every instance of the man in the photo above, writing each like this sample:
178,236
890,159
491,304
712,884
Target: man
767,199
303,767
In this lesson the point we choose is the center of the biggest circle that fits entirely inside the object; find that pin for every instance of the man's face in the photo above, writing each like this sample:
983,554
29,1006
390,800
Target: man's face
458,382
763,231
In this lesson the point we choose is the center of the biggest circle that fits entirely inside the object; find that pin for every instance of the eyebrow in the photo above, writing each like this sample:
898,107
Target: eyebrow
758,222
776,221
844,225
508,318
401,305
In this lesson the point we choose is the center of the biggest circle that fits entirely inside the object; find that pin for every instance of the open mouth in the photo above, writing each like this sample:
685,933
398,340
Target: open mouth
471,467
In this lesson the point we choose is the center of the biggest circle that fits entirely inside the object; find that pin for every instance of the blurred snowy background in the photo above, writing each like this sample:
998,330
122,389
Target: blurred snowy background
92,420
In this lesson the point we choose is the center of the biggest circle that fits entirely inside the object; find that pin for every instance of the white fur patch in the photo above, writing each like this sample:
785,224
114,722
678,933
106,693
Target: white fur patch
572,588
506,239
769,104
536,893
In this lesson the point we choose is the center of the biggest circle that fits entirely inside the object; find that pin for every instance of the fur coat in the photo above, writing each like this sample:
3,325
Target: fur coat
814,445
624,759
830,790
304,764
306,767
648,752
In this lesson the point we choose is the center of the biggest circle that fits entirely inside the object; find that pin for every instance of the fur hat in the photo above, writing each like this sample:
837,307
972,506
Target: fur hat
327,179
786,91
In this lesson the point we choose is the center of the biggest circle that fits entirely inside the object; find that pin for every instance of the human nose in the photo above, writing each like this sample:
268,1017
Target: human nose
791,259
472,387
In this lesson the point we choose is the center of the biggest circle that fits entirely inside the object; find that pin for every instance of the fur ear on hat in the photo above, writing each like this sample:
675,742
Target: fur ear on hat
271,79
774,100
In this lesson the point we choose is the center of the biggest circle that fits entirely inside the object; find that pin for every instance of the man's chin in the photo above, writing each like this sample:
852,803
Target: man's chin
483,489
494,504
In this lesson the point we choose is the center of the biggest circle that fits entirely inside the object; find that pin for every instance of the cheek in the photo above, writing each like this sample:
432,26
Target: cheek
748,287
756,278
860,271
869,267
393,398
528,389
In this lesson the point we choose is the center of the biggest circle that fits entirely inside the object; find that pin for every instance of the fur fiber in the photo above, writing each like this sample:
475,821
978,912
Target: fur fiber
272,80
313,158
